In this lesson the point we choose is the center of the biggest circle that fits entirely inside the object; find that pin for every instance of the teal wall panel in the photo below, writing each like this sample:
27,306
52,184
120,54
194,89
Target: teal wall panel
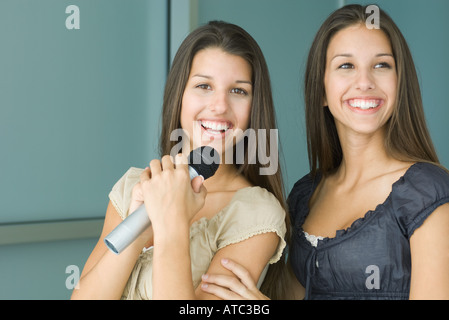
38,270
76,109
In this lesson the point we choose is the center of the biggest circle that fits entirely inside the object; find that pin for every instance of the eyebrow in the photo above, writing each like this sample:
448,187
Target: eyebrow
349,55
211,78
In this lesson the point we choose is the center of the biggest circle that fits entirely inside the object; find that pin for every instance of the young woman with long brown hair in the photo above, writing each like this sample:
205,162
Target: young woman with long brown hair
218,86
371,220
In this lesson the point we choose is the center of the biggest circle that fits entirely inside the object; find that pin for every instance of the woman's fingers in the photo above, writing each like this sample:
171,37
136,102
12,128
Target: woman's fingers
145,175
240,272
166,183
155,167
181,161
220,292
136,197
197,184
230,287
167,163
225,287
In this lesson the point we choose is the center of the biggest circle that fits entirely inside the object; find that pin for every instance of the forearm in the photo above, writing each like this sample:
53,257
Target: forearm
107,279
172,275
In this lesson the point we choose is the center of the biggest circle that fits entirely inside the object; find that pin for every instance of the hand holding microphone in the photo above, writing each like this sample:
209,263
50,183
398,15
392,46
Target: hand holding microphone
202,161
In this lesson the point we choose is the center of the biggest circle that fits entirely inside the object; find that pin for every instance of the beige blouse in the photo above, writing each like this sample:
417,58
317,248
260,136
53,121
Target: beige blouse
252,211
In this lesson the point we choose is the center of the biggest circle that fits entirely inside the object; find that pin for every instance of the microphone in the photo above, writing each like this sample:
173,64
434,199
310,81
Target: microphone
202,161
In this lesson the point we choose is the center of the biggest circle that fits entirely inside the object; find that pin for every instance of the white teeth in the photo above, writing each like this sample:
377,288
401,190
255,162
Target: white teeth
216,126
364,104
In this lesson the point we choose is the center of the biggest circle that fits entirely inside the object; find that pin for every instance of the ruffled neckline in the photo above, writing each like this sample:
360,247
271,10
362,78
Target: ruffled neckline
356,225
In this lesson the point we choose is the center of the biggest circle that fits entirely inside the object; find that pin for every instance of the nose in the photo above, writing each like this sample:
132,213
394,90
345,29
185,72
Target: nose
365,81
219,103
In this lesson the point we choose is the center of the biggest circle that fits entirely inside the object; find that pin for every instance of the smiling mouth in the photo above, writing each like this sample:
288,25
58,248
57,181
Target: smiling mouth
364,104
216,127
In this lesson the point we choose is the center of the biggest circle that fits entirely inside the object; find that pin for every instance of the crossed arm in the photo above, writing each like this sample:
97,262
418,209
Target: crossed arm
430,266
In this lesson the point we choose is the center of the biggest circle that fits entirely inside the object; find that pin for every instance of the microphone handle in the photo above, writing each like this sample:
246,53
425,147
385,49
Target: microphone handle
128,231
130,228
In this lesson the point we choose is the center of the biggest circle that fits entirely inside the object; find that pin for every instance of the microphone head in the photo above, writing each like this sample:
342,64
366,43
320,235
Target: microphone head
205,160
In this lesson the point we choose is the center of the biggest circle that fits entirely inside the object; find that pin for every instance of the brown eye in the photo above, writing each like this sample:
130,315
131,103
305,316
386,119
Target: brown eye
239,91
346,65
382,65
203,86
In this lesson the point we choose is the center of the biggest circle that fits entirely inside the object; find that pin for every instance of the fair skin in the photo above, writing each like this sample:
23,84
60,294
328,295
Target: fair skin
210,90
218,92
360,74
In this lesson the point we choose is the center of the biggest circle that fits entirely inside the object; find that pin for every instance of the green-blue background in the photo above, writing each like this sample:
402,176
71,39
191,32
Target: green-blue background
78,107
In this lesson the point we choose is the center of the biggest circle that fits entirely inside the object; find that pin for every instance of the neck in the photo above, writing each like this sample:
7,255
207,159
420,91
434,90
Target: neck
224,179
364,156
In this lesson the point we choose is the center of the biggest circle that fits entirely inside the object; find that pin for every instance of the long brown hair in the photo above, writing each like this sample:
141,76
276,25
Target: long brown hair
233,40
407,135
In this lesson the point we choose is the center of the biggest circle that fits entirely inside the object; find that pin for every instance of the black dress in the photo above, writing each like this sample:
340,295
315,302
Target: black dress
371,259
